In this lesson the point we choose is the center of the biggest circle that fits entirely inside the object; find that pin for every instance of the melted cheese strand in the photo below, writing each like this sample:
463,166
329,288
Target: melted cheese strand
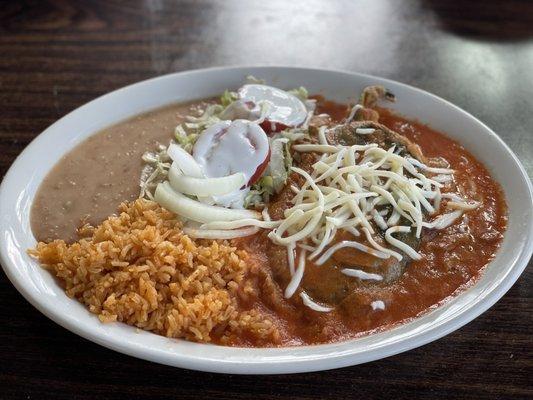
365,131
290,256
379,220
322,135
377,246
266,215
415,213
443,178
357,273
388,196
295,216
353,112
313,217
297,277
394,218
430,169
327,238
355,245
444,220
399,244
377,305
352,230
458,203
312,305
462,206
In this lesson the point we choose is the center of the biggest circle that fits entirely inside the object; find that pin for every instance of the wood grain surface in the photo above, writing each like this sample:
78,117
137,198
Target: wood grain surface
57,55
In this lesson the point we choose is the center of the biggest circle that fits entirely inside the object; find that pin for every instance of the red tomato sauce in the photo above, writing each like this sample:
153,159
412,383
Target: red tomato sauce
453,258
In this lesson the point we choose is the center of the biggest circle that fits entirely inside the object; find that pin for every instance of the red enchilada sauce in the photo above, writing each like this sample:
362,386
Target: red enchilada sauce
453,258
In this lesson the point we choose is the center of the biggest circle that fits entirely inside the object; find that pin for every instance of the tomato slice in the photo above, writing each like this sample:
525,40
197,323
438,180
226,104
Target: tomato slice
259,171
272,127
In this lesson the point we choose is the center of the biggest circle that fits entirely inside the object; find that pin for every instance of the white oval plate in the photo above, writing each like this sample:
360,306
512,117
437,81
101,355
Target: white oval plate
39,288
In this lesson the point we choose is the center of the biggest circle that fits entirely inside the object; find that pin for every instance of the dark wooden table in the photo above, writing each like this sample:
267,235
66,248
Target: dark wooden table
57,55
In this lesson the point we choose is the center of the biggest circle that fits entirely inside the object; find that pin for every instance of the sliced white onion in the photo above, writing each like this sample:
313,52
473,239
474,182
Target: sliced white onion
220,234
241,223
196,211
184,161
207,186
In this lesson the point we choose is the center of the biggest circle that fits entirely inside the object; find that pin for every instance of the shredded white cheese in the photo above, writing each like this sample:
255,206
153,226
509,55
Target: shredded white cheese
296,277
353,112
364,131
377,305
357,273
354,245
354,188
312,305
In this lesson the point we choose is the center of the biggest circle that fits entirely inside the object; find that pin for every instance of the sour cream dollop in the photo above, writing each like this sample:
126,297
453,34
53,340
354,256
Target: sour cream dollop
280,109
228,147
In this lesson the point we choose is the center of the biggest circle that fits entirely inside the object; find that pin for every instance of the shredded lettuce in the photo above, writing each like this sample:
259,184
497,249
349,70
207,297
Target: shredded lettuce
228,97
184,139
301,93
253,79
260,192
154,171
188,132
295,134
211,111
288,156
277,167
276,175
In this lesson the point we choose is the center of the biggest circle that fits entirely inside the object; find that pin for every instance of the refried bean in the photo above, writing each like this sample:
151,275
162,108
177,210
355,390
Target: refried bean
89,183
